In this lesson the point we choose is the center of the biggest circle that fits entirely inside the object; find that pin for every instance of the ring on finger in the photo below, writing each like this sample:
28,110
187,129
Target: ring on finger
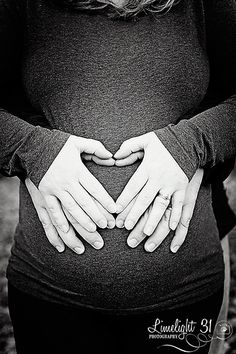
164,196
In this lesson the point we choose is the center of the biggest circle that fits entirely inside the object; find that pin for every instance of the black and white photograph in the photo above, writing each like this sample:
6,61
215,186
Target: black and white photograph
117,176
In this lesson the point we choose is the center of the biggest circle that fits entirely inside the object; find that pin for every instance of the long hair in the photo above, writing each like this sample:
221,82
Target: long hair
125,8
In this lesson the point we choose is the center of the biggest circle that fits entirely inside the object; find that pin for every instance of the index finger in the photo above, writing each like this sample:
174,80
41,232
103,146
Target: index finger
93,238
95,189
132,188
137,235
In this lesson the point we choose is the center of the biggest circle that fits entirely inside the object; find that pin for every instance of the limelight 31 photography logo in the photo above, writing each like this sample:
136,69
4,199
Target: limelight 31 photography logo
223,330
188,336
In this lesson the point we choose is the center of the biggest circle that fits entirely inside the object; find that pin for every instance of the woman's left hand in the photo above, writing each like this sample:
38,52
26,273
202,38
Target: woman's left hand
162,230
158,177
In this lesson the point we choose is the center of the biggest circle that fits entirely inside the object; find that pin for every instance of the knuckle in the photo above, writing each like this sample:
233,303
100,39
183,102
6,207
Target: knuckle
162,203
97,219
185,223
73,221
88,226
66,238
92,141
70,206
125,144
83,203
187,204
71,243
58,221
87,141
94,192
146,199
67,185
92,210
99,144
59,231
136,214
46,224
52,209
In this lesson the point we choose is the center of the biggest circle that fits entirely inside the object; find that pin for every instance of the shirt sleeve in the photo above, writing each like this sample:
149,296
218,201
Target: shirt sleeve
209,137
25,149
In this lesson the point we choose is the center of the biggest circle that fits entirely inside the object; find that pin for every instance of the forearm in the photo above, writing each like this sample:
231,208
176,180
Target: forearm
27,150
205,140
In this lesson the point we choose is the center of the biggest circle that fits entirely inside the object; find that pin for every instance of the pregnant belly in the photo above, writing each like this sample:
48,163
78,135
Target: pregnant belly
117,276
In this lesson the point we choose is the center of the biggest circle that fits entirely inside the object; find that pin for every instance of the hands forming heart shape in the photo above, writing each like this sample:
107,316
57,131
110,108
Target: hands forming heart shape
158,197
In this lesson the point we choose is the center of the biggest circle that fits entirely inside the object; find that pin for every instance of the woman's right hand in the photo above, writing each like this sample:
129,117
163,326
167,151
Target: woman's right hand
69,183
55,235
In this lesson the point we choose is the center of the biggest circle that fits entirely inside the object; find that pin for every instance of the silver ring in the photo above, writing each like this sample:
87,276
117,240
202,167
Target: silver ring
163,196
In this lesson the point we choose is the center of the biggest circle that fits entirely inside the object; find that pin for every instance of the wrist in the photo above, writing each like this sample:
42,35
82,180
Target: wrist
49,144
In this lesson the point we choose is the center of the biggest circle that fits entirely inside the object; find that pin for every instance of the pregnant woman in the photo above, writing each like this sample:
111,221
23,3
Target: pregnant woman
139,97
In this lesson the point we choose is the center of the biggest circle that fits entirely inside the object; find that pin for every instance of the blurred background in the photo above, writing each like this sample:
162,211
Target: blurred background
8,220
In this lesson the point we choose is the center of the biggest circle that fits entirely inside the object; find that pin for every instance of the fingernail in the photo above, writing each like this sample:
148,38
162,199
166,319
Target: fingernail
111,224
120,223
64,228
118,163
60,248
129,224
175,248
79,250
98,244
91,227
173,225
119,208
150,247
132,242
148,231
112,208
102,223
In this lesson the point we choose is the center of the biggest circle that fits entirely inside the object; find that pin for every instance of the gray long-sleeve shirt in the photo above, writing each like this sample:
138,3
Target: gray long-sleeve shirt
110,80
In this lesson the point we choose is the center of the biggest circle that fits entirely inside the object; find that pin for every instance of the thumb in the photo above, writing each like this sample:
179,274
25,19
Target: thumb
94,147
30,185
198,176
129,146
